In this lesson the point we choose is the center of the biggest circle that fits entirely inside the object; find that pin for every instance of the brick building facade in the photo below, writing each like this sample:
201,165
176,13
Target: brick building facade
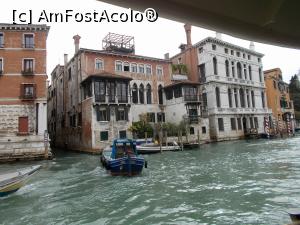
22,89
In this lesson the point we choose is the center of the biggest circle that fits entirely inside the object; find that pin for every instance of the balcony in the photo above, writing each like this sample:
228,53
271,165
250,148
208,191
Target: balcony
111,99
28,96
28,46
27,72
191,98
192,119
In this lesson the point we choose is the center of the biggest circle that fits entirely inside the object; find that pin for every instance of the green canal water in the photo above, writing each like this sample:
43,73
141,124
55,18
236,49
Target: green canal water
240,182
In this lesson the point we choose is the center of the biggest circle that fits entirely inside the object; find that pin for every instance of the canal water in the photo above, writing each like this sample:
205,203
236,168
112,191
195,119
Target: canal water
240,182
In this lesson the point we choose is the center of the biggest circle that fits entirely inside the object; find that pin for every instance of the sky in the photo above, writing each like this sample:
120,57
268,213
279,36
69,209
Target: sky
152,39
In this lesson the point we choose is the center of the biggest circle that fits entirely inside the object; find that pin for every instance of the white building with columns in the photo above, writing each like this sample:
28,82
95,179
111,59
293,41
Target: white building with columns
233,82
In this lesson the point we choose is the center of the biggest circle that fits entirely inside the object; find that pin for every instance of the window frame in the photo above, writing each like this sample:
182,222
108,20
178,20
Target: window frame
141,65
133,65
118,63
2,44
106,135
159,68
99,59
147,67
33,65
24,41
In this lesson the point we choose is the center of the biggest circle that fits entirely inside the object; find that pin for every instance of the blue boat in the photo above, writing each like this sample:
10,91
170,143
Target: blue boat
122,158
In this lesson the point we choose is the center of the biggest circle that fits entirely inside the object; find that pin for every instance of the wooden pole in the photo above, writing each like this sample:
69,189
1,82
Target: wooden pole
181,142
166,137
160,141
198,136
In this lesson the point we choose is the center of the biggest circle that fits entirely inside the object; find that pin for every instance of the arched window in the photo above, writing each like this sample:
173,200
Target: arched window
239,70
242,98
230,97
263,99
215,65
126,67
134,93
218,97
148,94
232,69
250,72
141,94
227,67
260,75
253,99
160,95
245,72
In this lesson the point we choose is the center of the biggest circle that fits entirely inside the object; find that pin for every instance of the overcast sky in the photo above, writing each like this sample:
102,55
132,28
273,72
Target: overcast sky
151,39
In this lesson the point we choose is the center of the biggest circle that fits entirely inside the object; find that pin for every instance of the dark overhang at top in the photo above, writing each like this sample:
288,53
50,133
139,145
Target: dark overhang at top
268,21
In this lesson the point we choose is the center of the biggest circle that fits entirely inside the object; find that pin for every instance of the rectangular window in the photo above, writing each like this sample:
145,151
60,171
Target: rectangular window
203,130
103,114
121,114
221,124
201,71
133,67
238,54
232,52
28,41
28,67
1,66
122,92
122,134
70,73
159,71
119,66
239,122
214,47
148,69
192,130
161,117
28,91
226,50
233,123
151,117
103,135
99,64
141,68
249,57
111,91
1,40
99,91
177,92
200,49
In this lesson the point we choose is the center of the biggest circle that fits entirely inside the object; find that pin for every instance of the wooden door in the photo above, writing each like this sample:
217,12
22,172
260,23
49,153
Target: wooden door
23,124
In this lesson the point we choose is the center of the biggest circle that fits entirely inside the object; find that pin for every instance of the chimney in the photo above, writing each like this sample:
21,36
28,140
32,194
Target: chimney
76,42
218,35
188,29
65,59
251,46
167,56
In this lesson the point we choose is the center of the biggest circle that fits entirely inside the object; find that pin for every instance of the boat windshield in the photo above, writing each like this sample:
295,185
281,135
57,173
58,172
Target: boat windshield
123,150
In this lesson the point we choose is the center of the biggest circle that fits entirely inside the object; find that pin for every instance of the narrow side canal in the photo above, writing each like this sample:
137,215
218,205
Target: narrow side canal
240,182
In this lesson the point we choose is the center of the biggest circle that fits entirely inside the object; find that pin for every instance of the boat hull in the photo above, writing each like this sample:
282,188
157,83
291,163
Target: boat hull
124,166
11,182
155,149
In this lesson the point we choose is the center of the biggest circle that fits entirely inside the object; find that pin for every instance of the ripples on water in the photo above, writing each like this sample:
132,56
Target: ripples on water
239,182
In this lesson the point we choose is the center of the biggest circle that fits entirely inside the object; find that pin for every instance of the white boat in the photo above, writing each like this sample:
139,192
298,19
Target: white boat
11,182
149,148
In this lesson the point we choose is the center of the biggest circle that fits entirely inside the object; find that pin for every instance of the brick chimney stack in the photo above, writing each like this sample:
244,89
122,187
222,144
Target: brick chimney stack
188,29
76,42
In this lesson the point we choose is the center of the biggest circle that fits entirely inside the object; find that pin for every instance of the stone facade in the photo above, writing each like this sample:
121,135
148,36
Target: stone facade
232,80
23,103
